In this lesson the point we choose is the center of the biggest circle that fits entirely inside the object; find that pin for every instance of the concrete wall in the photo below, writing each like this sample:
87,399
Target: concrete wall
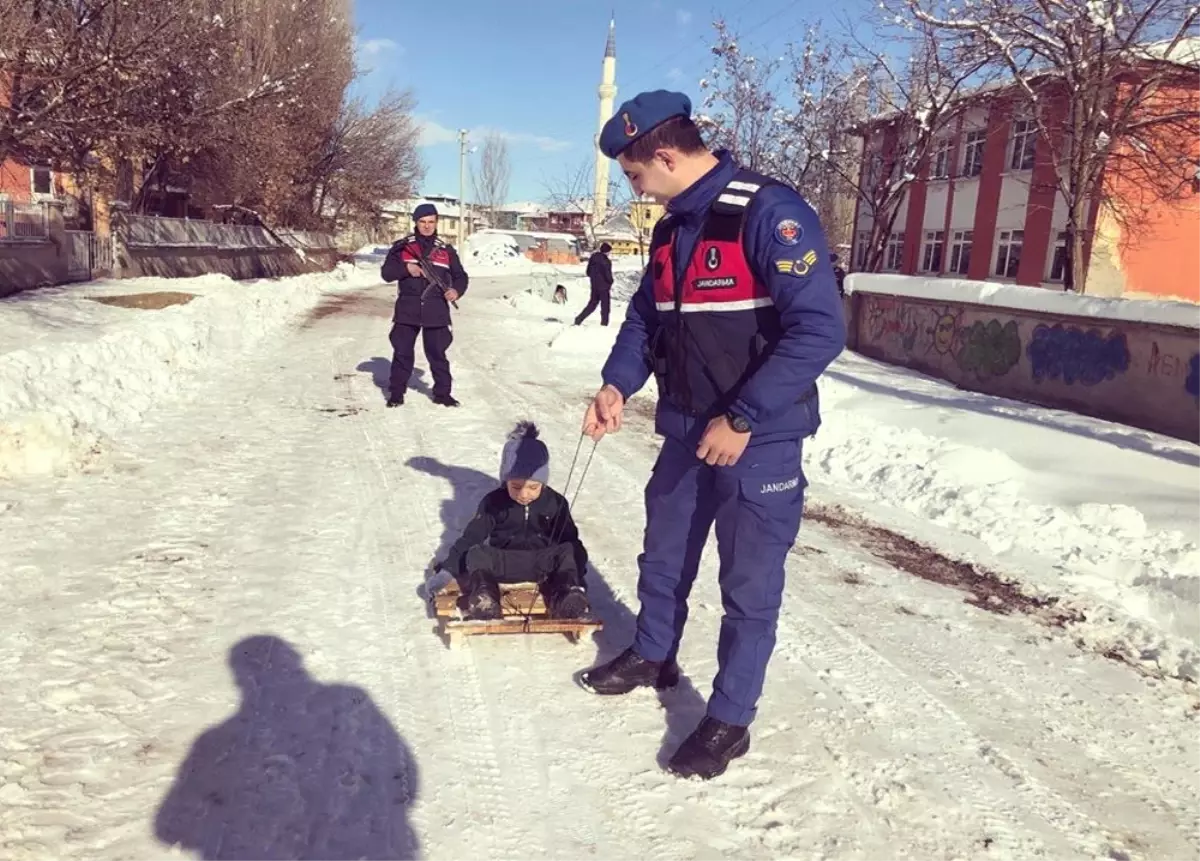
30,264
1142,374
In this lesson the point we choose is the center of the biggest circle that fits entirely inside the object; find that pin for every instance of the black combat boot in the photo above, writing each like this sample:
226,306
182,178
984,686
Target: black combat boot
710,748
445,400
395,399
629,671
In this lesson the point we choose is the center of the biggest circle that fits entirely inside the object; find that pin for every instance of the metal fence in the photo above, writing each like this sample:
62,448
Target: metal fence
23,222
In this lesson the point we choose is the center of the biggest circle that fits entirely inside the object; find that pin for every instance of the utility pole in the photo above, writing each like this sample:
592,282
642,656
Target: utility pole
462,198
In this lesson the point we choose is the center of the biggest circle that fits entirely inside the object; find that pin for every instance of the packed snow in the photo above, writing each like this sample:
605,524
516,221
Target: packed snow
1166,312
217,637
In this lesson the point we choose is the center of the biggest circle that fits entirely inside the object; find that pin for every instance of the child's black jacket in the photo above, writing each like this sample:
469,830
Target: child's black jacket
505,524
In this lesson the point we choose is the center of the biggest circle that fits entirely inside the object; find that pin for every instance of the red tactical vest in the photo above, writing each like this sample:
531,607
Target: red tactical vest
717,321
439,256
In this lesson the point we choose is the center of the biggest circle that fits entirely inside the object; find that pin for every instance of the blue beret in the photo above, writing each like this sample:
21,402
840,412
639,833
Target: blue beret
423,210
638,116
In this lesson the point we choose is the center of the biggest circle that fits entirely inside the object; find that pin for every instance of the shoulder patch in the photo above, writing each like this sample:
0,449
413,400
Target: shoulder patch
800,267
788,232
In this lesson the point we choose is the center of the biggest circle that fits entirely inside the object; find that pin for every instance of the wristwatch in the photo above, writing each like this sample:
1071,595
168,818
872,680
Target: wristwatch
738,423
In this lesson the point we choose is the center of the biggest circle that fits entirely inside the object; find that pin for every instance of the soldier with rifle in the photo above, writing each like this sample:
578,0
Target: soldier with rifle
429,277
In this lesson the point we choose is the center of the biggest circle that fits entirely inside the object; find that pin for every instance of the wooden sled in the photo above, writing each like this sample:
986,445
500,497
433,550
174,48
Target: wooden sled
523,611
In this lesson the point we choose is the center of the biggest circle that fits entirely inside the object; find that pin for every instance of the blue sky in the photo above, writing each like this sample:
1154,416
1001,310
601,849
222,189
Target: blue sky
530,69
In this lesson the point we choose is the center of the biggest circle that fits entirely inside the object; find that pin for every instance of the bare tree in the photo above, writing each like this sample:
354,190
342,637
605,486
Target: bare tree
573,190
1110,85
790,118
909,105
491,180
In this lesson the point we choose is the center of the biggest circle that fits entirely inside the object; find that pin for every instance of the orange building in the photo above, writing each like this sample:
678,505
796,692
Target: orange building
986,207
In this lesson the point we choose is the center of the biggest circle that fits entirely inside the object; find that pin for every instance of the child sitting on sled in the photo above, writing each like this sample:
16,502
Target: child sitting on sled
522,532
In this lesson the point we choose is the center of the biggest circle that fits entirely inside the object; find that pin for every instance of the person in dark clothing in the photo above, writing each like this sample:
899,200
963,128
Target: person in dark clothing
423,305
522,532
599,272
737,316
838,273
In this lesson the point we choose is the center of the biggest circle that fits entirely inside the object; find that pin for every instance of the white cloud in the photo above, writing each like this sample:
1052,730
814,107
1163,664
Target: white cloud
434,133
373,47
683,17
675,74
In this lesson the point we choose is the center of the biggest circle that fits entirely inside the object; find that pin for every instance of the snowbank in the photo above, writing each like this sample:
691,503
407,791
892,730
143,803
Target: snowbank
1163,312
91,371
494,254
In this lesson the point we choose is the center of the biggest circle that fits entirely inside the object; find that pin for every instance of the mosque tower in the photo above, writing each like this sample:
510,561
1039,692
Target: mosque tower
608,92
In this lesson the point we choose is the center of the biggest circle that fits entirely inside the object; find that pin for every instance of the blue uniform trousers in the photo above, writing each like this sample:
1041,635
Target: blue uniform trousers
756,505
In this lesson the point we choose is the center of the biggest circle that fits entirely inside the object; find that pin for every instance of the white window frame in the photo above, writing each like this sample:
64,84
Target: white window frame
939,167
960,241
934,244
1008,241
893,255
33,173
1023,144
860,252
1060,246
973,144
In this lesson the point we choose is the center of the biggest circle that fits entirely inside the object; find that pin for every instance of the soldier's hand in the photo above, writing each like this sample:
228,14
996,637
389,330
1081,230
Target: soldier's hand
451,295
721,445
604,413
414,270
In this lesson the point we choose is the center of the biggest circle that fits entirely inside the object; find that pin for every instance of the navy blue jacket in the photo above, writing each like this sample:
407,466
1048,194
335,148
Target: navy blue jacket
419,303
810,312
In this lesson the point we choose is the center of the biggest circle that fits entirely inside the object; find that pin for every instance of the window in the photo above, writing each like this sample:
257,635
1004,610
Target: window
41,180
894,252
1058,263
960,251
931,255
940,169
1008,253
973,153
1024,142
860,252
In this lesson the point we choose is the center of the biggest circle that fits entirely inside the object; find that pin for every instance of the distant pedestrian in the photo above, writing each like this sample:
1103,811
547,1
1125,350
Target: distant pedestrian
429,277
599,272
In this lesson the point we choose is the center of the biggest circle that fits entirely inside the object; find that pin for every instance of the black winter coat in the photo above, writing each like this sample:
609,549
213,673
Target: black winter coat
419,302
503,523
599,270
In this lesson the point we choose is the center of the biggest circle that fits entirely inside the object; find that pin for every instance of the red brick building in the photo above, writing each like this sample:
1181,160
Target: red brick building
986,206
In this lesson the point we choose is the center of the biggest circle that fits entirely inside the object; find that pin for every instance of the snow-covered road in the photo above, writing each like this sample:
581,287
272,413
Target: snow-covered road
219,641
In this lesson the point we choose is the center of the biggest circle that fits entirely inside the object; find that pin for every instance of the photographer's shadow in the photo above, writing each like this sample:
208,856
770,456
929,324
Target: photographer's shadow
302,770
683,704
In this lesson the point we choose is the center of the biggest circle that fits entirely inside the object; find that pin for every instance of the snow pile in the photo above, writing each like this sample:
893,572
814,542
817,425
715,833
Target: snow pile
61,397
1018,298
488,253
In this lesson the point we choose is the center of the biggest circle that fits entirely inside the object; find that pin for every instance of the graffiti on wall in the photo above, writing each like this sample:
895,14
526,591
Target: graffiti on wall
1074,355
990,349
890,319
1192,383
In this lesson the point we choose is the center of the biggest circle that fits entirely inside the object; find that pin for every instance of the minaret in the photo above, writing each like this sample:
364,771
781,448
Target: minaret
608,92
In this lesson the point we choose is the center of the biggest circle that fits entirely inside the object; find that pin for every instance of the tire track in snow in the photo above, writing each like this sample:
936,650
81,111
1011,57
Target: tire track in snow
903,697
982,676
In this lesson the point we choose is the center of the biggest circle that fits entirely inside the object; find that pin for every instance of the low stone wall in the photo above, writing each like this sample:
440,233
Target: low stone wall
238,263
30,264
1144,374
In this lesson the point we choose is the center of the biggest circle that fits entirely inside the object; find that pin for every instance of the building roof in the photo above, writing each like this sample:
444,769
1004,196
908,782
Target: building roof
610,47
616,227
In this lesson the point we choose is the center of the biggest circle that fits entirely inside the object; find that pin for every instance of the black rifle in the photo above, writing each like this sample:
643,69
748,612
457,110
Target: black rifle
432,276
